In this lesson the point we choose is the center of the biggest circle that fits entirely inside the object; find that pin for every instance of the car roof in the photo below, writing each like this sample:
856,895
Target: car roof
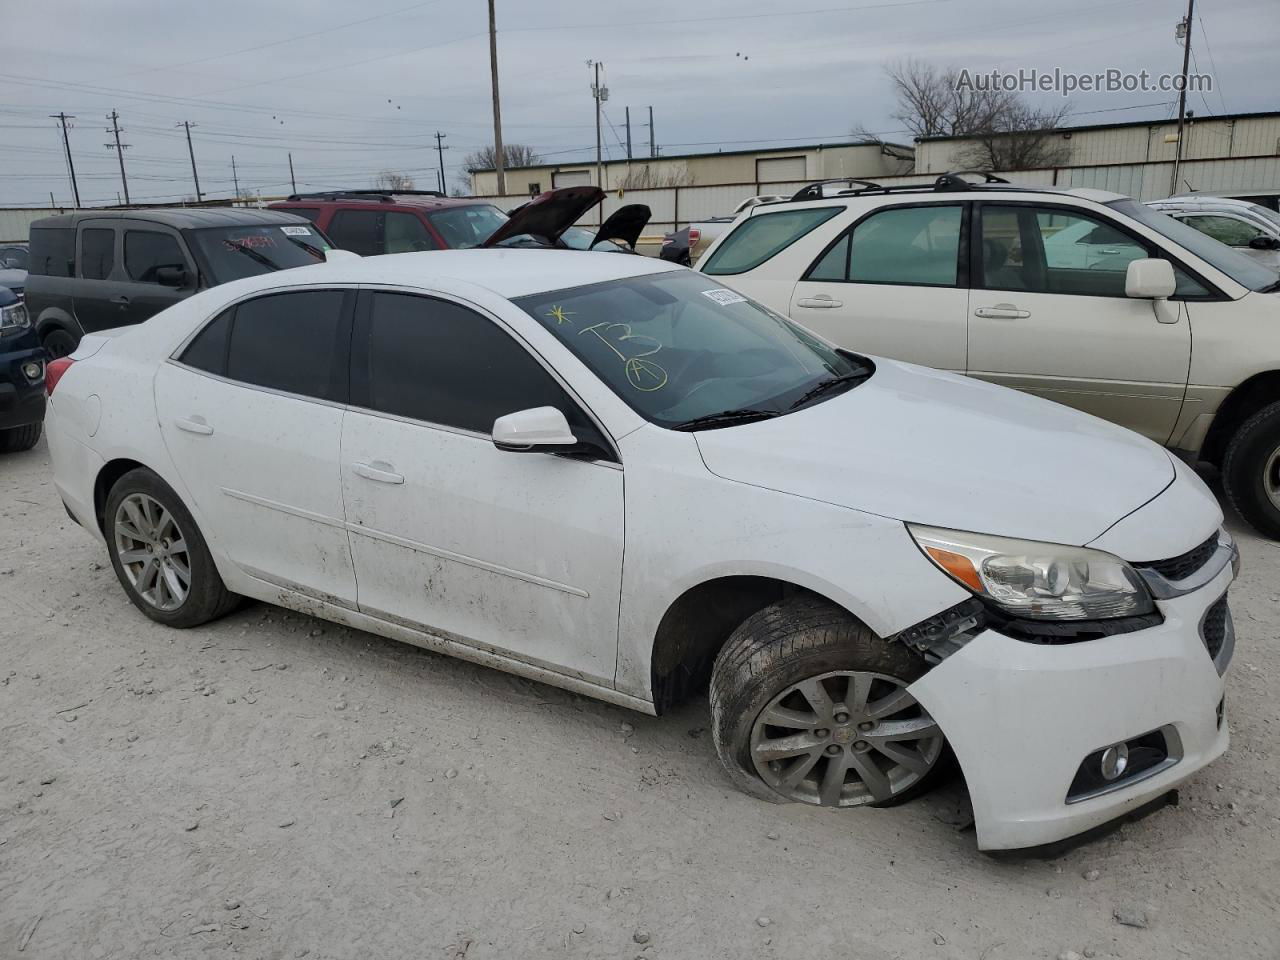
508,272
379,200
1202,201
180,218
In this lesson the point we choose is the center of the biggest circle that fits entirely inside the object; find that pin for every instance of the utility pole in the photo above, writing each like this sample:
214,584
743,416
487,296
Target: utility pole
652,151
498,156
628,109
66,145
440,149
120,148
186,124
600,95
292,182
1184,28
234,178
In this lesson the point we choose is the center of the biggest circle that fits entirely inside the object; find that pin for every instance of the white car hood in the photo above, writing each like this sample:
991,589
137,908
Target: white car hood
921,445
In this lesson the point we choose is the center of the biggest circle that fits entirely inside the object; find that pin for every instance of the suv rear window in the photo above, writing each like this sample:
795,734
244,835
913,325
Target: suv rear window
53,251
764,236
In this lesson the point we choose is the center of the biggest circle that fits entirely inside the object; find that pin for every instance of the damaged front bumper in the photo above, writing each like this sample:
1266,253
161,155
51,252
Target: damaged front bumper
1027,720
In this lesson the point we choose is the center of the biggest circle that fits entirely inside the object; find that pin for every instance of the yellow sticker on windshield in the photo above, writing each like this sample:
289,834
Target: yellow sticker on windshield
560,316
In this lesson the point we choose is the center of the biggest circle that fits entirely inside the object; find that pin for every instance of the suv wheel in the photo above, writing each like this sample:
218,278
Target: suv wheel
809,705
59,343
159,555
1251,471
17,439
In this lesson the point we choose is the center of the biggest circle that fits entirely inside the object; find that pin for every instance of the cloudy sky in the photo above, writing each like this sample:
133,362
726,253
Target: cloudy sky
355,88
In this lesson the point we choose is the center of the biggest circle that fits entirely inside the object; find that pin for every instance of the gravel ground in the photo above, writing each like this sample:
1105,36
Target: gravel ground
275,787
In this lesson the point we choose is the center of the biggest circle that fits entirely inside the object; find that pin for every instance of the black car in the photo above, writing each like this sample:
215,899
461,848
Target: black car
21,377
93,270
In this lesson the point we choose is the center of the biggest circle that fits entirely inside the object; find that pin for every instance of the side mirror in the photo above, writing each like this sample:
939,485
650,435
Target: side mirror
1149,280
537,430
171,276
1263,242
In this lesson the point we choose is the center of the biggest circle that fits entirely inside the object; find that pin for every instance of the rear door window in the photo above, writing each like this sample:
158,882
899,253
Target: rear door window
53,251
764,236
147,251
917,246
291,342
97,253
208,351
359,231
405,233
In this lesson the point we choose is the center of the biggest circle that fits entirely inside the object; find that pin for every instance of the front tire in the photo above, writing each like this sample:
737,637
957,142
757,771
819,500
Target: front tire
809,705
1251,471
159,554
59,343
18,439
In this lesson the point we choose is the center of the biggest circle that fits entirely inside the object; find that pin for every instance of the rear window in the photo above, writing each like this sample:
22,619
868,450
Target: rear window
53,251
233,253
764,236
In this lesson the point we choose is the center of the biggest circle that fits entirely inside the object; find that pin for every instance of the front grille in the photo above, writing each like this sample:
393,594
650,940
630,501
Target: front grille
1213,630
1181,567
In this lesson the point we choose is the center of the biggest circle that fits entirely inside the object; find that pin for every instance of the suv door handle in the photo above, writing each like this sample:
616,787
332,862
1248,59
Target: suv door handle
820,302
194,425
378,471
120,301
1002,311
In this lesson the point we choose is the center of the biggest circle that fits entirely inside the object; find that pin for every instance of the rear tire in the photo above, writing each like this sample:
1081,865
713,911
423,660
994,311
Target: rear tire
1251,471
159,554
809,705
18,439
59,343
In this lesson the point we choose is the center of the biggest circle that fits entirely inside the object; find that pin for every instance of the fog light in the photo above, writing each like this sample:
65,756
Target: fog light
1115,760
33,370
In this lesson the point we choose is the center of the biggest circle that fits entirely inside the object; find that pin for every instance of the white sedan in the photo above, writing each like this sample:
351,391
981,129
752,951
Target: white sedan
617,476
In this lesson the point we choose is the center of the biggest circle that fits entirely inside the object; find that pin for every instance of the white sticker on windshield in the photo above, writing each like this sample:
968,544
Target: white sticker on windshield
296,231
724,297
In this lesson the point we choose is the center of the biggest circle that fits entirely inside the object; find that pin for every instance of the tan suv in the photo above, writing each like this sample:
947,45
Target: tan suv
1081,296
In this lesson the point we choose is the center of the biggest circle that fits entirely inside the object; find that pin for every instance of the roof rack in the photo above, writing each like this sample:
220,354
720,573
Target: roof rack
813,191
382,196
954,180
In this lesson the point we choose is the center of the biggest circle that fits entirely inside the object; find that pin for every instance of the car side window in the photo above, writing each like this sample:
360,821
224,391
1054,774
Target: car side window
358,231
1228,230
291,342
834,264
918,246
764,236
405,233
97,253
441,363
208,350
147,251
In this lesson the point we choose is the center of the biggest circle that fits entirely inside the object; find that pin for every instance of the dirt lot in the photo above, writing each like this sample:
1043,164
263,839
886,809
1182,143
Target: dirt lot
274,787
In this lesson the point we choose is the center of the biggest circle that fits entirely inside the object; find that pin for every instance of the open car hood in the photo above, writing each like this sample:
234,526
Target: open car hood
547,215
624,225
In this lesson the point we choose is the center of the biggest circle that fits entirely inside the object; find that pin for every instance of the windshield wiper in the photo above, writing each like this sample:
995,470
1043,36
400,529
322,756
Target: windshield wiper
726,418
314,251
254,255
822,386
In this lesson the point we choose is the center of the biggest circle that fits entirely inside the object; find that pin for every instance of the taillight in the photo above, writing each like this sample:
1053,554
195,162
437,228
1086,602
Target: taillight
694,235
54,371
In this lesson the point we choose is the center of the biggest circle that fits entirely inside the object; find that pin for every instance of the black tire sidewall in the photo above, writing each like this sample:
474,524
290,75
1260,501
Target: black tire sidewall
207,597
20,439
59,335
1243,473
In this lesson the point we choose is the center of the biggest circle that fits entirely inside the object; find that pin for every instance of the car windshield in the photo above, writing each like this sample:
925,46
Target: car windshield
1243,269
467,226
686,353
232,253
13,258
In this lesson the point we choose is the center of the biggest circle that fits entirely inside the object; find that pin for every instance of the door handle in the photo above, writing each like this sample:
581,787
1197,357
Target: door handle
378,471
819,302
1002,311
120,301
194,425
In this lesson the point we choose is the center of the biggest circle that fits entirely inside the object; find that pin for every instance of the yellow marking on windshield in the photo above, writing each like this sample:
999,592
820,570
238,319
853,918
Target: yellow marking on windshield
560,316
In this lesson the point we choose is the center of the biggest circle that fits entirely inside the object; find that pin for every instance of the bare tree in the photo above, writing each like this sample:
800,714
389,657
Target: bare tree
513,155
391,181
1009,133
648,177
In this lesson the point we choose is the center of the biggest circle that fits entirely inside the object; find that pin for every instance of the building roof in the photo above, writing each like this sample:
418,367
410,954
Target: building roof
698,156
1261,115
180,218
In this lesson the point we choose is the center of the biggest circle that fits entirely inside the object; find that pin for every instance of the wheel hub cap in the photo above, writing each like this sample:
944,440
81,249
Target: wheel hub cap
844,739
152,552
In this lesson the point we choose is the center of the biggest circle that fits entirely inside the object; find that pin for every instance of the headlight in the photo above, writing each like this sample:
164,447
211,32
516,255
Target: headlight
1038,581
14,318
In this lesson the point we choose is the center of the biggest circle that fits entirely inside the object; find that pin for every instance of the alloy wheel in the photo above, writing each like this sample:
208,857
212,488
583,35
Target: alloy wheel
844,739
152,551
1271,478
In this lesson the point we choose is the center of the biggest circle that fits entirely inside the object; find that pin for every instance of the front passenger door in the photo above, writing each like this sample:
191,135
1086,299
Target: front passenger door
150,251
892,285
516,553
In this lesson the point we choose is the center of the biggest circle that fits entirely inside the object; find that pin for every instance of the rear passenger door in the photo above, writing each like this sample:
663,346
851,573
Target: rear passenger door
147,249
894,285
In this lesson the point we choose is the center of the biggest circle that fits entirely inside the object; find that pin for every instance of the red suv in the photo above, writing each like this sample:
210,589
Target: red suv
372,222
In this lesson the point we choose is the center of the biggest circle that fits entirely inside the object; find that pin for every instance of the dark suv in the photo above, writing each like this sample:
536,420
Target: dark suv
93,270
373,222
21,377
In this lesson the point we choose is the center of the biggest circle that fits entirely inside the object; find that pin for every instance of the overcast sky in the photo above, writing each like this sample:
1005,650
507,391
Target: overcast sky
355,88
